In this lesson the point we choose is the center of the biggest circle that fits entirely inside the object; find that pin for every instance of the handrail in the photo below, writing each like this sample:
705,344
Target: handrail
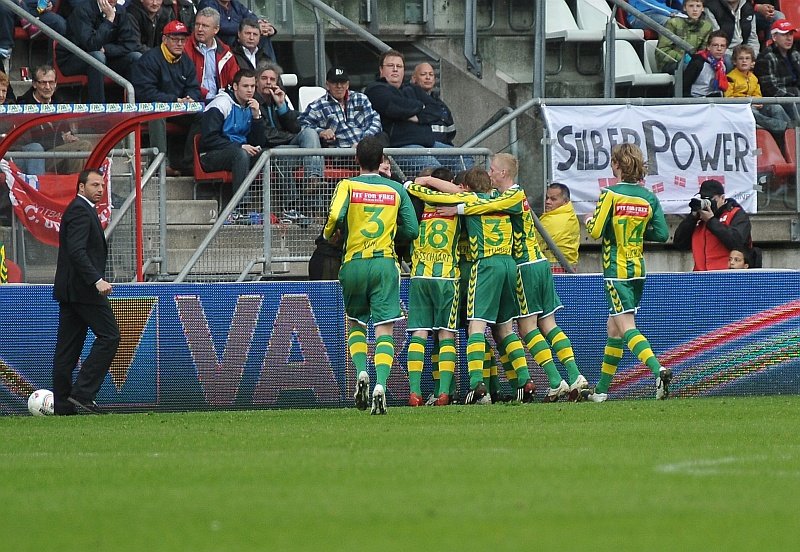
349,25
474,64
69,45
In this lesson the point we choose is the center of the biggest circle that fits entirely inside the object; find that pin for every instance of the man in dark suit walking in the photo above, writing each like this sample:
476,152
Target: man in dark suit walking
82,294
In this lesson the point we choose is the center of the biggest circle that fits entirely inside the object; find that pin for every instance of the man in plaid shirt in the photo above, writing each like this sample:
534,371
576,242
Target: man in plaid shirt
341,117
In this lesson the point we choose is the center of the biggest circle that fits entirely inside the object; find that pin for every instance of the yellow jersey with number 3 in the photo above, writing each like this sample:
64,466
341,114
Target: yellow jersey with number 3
371,211
626,215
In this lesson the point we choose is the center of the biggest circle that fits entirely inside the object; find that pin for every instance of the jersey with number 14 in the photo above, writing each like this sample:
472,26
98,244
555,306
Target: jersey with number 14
626,215
370,209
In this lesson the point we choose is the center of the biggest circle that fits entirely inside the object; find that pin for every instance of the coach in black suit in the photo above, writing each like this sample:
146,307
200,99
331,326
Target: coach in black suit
82,295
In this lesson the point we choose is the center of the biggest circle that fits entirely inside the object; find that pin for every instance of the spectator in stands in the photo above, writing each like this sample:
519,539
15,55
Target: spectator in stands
27,166
214,63
767,13
694,29
778,68
715,226
283,129
657,10
105,33
405,119
6,94
423,82
247,49
738,259
562,225
232,13
166,75
232,136
341,117
182,10
148,19
737,19
48,16
7,22
706,74
60,136
742,83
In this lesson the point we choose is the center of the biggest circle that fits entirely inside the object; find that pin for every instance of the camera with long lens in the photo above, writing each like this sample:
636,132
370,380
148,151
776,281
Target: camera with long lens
699,204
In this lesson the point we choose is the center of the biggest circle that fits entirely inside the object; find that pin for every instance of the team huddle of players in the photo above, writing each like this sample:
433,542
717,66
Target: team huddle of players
476,262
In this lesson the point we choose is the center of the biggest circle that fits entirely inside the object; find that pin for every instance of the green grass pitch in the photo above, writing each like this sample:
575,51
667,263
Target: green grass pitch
691,474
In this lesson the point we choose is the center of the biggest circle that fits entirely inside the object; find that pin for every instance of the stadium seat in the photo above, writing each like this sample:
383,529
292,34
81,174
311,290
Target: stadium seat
200,175
771,160
560,27
594,15
622,21
650,59
629,71
308,94
14,272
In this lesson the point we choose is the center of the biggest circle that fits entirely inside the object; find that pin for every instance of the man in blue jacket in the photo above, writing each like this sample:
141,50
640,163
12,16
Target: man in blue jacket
232,137
166,75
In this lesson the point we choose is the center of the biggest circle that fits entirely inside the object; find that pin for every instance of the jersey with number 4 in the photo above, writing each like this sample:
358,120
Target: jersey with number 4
626,215
370,210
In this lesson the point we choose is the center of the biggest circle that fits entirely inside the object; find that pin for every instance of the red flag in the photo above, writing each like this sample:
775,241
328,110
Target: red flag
40,201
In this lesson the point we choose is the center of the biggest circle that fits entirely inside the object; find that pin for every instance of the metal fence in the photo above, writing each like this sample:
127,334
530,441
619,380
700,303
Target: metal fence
269,225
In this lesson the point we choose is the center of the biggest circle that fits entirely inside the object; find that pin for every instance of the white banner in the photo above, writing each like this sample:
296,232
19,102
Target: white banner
683,145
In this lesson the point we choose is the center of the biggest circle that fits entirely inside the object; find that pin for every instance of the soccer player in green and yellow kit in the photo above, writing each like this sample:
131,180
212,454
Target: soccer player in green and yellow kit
492,290
371,211
433,300
626,215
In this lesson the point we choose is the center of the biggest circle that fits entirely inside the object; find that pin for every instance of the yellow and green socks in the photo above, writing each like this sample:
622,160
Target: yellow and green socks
416,359
516,357
540,352
612,354
384,356
447,366
476,350
357,345
640,347
562,347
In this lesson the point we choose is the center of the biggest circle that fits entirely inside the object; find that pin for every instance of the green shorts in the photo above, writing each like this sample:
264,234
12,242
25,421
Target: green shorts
371,288
492,292
537,292
624,295
433,304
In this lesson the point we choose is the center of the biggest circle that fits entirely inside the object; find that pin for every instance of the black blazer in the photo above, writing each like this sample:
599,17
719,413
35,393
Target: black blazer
81,255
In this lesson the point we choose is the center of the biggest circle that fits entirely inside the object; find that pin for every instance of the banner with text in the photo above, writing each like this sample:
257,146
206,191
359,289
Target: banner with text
683,145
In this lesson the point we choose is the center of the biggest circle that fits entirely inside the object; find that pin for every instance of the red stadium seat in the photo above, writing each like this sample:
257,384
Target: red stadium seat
14,272
771,159
223,177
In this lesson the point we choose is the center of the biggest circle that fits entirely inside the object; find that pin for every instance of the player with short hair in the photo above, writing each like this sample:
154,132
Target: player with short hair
626,215
371,212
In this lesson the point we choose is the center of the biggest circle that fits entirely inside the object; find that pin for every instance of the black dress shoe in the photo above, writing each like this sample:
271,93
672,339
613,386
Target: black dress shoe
89,406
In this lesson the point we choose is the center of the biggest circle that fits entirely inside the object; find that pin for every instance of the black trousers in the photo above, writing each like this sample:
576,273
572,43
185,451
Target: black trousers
74,320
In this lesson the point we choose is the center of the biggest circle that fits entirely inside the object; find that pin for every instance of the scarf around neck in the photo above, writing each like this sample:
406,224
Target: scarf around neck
718,65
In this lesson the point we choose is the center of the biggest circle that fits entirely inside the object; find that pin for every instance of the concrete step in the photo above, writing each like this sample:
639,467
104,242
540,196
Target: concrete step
182,211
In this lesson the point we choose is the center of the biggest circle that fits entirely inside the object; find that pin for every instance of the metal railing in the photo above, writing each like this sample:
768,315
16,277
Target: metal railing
282,208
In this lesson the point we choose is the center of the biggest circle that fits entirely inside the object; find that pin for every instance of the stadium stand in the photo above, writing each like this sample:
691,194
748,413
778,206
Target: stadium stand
629,70
650,59
594,15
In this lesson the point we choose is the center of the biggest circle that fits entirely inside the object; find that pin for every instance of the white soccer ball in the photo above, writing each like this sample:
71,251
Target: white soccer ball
40,403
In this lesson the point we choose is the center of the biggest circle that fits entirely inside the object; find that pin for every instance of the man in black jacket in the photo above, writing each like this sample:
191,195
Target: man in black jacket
82,293
148,19
166,75
247,49
105,33
737,19
406,119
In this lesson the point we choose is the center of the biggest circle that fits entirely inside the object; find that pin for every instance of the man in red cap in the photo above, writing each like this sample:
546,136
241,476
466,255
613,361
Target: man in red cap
166,75
778,68
714,228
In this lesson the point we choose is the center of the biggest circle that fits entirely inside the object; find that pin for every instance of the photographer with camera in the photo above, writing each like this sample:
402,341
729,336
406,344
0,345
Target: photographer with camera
715,227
